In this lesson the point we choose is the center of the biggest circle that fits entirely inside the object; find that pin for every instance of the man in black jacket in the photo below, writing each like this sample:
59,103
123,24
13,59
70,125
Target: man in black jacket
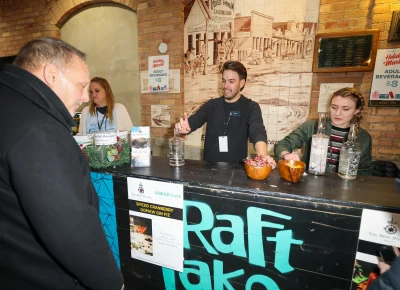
51,236
231,120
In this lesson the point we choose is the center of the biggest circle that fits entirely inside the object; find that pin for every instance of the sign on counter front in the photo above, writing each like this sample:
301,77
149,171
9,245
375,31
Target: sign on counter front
385,90
156,222
378,230
158,73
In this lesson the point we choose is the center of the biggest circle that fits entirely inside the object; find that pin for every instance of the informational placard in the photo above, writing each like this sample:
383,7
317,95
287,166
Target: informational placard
160,116
385,90
379,230
141,149
345,51
158,73
156,222
326,91
174,76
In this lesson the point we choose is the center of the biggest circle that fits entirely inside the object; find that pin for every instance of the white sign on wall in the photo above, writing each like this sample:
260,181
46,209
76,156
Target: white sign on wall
158,73
385,90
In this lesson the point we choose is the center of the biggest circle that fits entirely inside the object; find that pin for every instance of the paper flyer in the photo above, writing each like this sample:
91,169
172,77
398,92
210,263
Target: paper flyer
141,149
385,89
158,73
156,222
378,228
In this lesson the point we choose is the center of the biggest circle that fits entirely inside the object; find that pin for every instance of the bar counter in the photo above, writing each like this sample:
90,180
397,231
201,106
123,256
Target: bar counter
269,234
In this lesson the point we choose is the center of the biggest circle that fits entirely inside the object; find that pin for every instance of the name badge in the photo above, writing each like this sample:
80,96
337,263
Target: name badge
234,113
223,143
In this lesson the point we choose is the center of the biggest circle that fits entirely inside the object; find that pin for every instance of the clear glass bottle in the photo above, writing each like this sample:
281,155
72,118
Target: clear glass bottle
176,150
319,148
350,154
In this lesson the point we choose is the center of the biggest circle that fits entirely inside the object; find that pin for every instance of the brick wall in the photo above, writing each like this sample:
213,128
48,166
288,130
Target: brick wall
340,15
22,20
162,20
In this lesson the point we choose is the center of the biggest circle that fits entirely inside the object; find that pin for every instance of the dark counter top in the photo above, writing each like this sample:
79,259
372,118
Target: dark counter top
367,192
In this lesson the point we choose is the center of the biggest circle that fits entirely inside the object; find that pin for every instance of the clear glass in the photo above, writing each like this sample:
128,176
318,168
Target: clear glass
319,148
176,151
350,154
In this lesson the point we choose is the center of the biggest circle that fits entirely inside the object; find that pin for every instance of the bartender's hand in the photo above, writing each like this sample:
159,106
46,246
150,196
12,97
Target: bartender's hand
285,155
270,161
182,126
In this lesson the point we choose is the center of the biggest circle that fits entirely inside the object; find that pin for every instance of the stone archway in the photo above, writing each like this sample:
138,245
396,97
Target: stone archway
60,11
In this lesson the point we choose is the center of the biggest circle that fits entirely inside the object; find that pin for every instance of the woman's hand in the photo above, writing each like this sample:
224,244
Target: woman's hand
289,156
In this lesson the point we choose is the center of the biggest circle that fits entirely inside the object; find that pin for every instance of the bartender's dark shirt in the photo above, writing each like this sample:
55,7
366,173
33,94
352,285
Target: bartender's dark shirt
245,122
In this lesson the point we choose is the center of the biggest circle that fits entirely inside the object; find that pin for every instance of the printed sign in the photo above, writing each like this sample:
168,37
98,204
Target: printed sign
156,222
378,229
158,73
385,90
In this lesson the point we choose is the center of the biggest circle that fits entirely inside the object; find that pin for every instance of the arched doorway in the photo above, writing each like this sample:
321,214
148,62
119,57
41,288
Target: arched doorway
108,34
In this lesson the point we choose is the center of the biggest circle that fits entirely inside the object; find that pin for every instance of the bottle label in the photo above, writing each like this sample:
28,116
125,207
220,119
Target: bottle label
349,165
105,138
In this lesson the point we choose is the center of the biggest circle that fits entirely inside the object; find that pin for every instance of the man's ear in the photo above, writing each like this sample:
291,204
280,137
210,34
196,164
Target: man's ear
51,74
242,83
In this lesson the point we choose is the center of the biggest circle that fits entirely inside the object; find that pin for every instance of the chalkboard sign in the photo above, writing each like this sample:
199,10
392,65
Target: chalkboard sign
346,51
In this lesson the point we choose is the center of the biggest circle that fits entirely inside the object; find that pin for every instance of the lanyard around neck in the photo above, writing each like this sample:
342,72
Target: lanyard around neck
99,125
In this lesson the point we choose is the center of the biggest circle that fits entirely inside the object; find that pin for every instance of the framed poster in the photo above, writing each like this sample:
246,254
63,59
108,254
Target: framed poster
345,51
385,89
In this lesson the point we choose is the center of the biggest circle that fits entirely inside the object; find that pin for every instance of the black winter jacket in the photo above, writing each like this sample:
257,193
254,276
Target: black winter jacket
51,236
390,280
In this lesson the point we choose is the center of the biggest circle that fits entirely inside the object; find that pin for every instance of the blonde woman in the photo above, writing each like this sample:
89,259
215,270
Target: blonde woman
345,107
103,114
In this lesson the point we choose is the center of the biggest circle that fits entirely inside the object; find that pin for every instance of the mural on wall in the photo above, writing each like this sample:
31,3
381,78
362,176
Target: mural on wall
274,39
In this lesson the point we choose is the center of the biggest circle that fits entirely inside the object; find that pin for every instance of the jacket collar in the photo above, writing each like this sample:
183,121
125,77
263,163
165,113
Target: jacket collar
23,82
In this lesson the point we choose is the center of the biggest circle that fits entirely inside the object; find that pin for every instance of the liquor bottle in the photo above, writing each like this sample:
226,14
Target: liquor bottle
350,154
319,148
176,150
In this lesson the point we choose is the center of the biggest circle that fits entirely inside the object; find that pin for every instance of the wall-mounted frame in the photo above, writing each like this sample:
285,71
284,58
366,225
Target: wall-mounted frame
394,31
345,51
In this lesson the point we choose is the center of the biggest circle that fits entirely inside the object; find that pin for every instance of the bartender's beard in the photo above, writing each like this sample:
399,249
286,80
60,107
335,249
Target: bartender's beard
231,97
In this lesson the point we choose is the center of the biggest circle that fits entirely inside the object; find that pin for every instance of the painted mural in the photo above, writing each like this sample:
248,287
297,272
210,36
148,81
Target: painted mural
274,39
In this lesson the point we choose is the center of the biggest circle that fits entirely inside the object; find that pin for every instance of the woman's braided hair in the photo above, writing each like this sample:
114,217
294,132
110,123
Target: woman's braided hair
356,96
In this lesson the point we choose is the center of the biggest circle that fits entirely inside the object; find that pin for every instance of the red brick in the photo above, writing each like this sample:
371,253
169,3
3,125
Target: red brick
390,134
389,150
382,142
343,23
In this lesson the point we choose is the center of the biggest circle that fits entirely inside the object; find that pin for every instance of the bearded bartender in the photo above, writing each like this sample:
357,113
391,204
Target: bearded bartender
231,120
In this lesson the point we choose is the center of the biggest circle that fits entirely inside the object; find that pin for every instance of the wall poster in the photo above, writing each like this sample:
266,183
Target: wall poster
385,89
156,222
158,73
273,39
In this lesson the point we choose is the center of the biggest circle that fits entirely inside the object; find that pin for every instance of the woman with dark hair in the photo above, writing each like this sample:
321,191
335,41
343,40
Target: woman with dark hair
103,114
345,107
